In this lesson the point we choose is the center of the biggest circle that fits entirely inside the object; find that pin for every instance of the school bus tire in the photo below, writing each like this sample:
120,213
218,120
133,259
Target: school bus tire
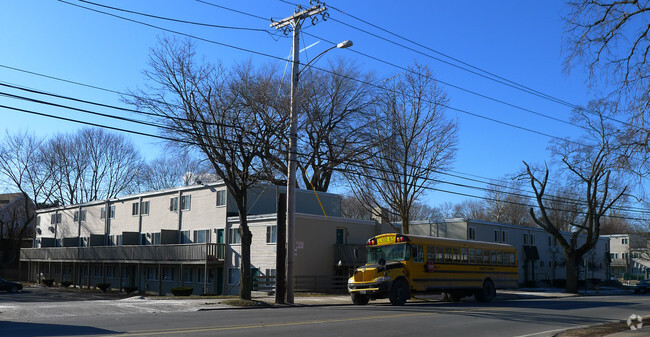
359,299
400,292
487,292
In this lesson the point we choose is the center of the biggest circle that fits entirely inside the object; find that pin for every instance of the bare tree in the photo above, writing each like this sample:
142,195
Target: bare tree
417,141
610,38
92,164
165,172
424,212
616,223
337,110
471,209
505,202
231,117
22,167
352,208
563,207
589,163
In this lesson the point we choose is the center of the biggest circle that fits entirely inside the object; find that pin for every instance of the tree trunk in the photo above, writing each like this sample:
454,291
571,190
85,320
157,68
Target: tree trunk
572,272
245,271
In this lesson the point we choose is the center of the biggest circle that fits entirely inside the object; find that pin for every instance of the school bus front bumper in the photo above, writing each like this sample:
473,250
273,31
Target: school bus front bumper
380,287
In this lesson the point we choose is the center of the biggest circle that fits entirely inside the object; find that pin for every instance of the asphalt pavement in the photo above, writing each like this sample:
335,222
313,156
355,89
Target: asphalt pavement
36,302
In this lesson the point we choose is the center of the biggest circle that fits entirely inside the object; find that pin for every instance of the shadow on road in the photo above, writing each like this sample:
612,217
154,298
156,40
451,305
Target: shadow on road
536,310
57,294
39,329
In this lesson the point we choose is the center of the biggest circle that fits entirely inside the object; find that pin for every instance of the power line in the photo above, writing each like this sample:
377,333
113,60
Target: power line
233,10
180,118
314,67
347,163
194,143
176,20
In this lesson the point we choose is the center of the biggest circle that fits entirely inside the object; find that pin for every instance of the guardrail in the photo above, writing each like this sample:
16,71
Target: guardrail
181,252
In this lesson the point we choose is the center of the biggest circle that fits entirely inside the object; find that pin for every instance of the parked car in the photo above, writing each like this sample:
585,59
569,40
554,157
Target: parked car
10,286
642,287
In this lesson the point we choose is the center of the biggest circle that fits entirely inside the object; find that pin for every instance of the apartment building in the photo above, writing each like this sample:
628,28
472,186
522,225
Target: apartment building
541,258
188,236
629,255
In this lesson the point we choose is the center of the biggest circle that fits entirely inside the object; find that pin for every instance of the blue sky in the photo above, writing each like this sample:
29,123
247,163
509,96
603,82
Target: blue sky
517,40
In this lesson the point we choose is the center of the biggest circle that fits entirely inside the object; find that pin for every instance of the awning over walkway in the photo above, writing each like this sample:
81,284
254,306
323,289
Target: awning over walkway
531,253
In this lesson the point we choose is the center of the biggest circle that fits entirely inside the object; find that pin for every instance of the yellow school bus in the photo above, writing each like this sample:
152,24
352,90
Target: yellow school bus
399,265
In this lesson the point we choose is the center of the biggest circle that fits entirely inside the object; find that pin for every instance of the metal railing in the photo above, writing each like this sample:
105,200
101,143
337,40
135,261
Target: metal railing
350,255
183,252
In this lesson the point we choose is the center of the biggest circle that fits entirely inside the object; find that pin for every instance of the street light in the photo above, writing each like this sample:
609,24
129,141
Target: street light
293,147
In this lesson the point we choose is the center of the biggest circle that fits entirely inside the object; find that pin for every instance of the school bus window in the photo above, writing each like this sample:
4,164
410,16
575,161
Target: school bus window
448,253
431,253
439,254
463,255
500,257
486,257
418,253
494,256
479,256
472,256
456,254
512,259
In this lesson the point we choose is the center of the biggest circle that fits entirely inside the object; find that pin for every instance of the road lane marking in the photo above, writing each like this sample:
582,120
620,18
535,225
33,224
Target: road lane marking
265,325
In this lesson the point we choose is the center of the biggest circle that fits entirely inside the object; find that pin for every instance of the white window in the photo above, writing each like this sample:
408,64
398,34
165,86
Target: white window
187,275
185,237
471,233
80,215
504,236
168,273
532,239
200,275
152,274
624,241
144,208
233,236
173,204
271,234
185,202
233,275
135,208
525,238
221,198
202,236
496,235
155,238
111,212
55,218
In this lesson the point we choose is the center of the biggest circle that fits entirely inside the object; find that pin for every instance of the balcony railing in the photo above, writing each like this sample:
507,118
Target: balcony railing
350,255
184,252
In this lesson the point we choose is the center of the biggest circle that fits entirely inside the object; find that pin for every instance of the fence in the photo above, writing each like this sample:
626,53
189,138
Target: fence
323,284
185,252
350,255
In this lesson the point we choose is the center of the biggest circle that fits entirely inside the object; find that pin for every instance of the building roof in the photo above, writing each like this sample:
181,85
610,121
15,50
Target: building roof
8,197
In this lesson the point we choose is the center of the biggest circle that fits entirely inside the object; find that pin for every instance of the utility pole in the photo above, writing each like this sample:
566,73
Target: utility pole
294,21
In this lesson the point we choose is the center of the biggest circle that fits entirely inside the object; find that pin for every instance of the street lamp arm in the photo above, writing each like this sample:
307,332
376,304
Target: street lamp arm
341,45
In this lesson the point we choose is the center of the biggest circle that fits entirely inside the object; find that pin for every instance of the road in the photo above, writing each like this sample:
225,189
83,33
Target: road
511,317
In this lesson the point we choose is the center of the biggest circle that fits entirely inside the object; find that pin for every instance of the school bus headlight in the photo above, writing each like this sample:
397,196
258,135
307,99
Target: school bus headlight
383,279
